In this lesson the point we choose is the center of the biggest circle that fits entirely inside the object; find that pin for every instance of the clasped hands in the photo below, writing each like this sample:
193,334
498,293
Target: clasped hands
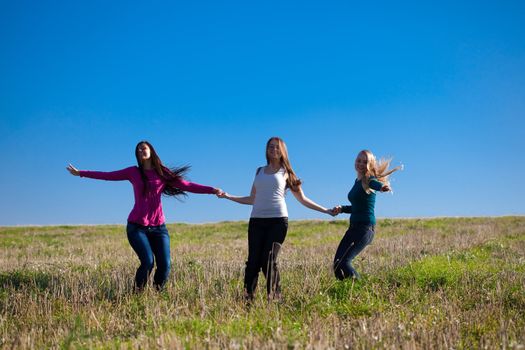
219,193
334,211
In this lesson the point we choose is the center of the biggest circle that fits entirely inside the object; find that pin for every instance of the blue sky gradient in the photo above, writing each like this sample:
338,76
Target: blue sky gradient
439,86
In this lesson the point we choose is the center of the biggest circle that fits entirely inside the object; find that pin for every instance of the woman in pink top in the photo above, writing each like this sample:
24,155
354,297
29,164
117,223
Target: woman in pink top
146,229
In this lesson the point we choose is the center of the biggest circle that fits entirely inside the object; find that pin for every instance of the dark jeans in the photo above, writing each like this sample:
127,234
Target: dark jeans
265,236
356,238
151,243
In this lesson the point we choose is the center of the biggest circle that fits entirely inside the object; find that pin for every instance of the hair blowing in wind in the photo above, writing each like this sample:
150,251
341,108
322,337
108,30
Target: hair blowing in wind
169,174
379,169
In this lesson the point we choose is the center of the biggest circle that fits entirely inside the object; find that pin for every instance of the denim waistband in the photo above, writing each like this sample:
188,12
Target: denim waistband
150,227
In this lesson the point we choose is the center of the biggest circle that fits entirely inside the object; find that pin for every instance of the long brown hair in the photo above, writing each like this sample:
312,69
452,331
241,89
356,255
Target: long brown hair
378,169
292,181
165,173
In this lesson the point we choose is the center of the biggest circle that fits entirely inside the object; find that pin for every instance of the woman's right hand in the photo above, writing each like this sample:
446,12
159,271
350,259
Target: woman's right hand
337,209
222,194
74,171
331,212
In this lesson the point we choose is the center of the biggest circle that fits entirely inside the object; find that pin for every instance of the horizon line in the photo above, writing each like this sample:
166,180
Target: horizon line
294,220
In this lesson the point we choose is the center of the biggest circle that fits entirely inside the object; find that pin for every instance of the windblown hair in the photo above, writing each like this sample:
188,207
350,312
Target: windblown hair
379,169
168,175
292,181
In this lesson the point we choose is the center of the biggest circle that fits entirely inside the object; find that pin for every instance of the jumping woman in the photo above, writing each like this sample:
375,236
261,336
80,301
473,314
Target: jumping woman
146,229
269,218
372,176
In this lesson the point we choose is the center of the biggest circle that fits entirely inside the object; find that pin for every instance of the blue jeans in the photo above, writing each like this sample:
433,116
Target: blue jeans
356,238
151,243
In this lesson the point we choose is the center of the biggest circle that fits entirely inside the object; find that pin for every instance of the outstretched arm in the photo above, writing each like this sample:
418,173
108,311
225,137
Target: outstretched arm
378,186
195,188
307,202
118,175
242,200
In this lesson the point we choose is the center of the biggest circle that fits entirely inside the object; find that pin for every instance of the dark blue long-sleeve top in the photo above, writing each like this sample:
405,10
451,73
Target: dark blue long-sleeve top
362,208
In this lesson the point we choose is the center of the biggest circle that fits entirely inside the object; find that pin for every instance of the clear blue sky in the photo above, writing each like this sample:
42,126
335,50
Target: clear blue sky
438,85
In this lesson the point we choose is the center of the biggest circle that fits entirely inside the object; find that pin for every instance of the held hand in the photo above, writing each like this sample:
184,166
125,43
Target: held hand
386,188
222,194
337,209
331,212
217,191
74,171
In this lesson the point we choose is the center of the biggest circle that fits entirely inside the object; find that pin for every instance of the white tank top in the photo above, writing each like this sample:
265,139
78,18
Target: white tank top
269,195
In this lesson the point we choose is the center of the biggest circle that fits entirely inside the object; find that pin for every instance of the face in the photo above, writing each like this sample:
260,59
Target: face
143,152
360,163
273,150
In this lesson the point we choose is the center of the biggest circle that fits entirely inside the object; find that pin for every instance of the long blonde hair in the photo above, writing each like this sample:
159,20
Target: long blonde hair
378,169
292,181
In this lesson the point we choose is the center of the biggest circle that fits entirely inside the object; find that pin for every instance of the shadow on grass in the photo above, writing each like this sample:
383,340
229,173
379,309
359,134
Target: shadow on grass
27,279
90,288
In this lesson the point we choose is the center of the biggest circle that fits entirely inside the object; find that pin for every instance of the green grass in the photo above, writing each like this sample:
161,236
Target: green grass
436,283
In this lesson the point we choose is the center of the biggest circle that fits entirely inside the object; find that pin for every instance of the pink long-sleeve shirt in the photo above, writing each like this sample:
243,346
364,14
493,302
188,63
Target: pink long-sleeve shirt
147,210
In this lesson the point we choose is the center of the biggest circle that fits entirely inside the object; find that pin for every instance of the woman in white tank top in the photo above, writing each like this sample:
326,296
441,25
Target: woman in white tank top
269,218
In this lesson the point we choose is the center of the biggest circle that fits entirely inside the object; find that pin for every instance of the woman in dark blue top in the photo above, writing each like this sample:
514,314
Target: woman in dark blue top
372,176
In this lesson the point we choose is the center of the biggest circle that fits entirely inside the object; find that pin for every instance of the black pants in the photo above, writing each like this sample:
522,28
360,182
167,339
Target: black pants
265,236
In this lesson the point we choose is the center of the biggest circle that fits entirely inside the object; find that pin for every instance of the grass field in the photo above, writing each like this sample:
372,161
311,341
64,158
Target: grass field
433,283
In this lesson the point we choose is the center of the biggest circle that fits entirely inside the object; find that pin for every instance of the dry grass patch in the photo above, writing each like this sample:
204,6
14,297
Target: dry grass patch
436,283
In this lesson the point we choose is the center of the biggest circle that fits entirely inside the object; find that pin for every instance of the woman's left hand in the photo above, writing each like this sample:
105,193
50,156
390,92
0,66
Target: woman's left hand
385,188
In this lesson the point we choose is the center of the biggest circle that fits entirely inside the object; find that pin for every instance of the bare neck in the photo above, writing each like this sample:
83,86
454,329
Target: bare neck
147,164
274,165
